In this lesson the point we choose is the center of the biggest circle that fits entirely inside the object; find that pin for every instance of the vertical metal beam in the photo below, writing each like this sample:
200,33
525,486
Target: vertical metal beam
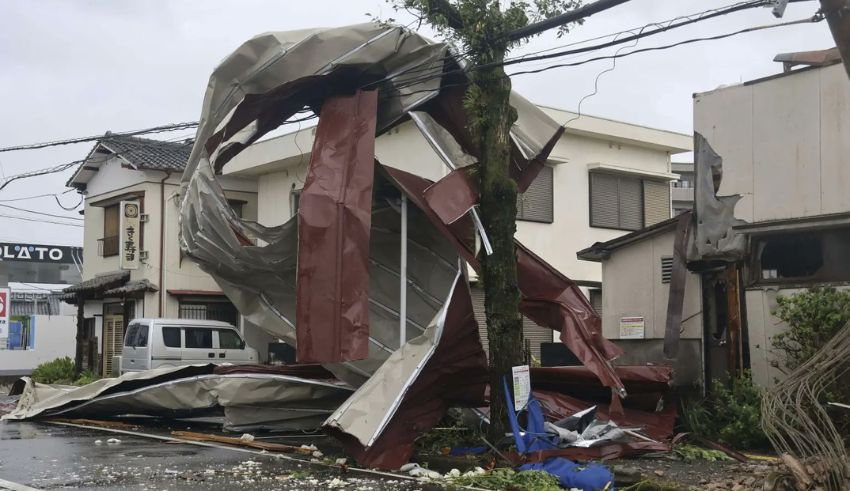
402,293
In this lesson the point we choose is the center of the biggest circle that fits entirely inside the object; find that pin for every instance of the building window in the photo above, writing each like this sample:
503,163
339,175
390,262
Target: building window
109,243
209,310
801,257
626,202
596,300
536,203
236,205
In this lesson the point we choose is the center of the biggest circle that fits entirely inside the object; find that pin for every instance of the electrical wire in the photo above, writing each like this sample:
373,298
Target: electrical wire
41,213
155,129
46,195
13,217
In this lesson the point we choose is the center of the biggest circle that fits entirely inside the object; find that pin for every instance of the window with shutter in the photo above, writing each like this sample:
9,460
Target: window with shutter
616,201
536,203
656,201
109,242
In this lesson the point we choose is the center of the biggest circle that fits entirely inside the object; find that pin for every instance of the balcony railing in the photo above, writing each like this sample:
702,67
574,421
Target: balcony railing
107,246
682,194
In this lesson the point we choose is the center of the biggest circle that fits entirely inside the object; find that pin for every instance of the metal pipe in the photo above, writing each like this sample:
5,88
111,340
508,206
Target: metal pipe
402,309
162,264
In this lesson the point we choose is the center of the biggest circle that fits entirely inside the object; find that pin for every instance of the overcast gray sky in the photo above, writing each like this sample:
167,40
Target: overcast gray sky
81,67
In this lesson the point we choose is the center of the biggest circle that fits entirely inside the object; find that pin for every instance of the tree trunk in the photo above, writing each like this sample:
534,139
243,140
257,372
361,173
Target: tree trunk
491,118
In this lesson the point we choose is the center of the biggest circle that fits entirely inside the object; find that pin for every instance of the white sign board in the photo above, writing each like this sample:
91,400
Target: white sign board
522,386
129,215
632,327
5,306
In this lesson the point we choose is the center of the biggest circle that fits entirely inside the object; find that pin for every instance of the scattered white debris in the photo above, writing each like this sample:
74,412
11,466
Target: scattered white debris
311,448
113,441
336,483
342,461
318,454
98,442
453,473
247,438
416,471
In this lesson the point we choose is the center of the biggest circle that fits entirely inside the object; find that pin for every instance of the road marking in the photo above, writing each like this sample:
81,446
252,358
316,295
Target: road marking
4,484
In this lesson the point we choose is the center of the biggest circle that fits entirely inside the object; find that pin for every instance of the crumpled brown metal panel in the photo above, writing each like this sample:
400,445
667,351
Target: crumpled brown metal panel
334,217
678,278
646,385
455,375
551,299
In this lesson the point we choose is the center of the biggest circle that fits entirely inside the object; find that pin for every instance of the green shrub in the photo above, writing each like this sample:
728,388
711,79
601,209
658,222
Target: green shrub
58,371
85,378
730,414
813,318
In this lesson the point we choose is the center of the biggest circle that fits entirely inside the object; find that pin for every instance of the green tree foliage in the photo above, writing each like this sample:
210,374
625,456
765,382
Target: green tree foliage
480,29
813,317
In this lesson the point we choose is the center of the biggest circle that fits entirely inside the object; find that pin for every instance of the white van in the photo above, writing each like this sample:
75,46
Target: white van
154,343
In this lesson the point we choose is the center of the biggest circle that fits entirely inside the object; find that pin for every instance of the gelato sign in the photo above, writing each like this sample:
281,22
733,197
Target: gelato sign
36,253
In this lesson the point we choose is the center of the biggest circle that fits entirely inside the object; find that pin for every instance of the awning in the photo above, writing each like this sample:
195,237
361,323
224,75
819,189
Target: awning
97,286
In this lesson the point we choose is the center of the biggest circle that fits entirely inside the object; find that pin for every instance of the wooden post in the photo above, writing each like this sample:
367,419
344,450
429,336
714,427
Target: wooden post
733,303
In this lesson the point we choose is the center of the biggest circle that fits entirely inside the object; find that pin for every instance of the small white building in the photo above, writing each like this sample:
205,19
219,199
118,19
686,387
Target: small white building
41,328
165,283
603,179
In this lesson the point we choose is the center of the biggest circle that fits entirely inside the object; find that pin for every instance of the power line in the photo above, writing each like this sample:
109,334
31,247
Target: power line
40,221
39,172
155,129
41,213
46,195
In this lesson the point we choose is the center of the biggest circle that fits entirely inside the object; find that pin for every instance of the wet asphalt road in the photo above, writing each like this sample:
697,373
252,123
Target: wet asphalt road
48,456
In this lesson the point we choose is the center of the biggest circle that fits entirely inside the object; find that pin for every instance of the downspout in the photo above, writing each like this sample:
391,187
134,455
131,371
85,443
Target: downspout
162,242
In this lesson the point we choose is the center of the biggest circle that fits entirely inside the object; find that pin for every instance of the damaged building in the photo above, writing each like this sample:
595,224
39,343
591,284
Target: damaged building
771,218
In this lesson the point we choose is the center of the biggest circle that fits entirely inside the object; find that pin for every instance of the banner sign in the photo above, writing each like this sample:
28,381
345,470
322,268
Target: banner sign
129,215
5,307
38,253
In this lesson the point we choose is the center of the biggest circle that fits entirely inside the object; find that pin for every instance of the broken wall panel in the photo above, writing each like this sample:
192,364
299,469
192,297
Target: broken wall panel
445,366
334,218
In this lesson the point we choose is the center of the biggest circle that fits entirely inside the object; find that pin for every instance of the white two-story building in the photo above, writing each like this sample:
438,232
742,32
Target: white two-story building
162,282
602,180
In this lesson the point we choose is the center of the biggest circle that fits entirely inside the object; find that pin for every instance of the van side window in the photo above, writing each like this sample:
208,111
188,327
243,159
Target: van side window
130,337
198,338
141,336
228,339
171,336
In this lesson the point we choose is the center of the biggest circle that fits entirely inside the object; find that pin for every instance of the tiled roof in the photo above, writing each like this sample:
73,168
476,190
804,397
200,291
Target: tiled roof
99,283
144,153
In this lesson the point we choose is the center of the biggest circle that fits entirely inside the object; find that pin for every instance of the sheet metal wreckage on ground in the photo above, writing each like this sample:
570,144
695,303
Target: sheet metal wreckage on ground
328,279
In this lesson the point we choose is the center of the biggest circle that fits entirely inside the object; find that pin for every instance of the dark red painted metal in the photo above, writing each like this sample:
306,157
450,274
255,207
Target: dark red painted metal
334,218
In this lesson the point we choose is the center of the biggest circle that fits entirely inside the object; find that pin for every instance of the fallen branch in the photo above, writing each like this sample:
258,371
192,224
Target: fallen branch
270,447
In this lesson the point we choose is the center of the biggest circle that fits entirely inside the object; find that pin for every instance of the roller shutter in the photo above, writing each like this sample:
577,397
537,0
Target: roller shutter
631,203
656,201
536,203
604,201
533,333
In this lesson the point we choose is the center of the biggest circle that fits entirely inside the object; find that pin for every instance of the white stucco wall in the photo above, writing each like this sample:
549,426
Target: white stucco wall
54,338
787,136
632,287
